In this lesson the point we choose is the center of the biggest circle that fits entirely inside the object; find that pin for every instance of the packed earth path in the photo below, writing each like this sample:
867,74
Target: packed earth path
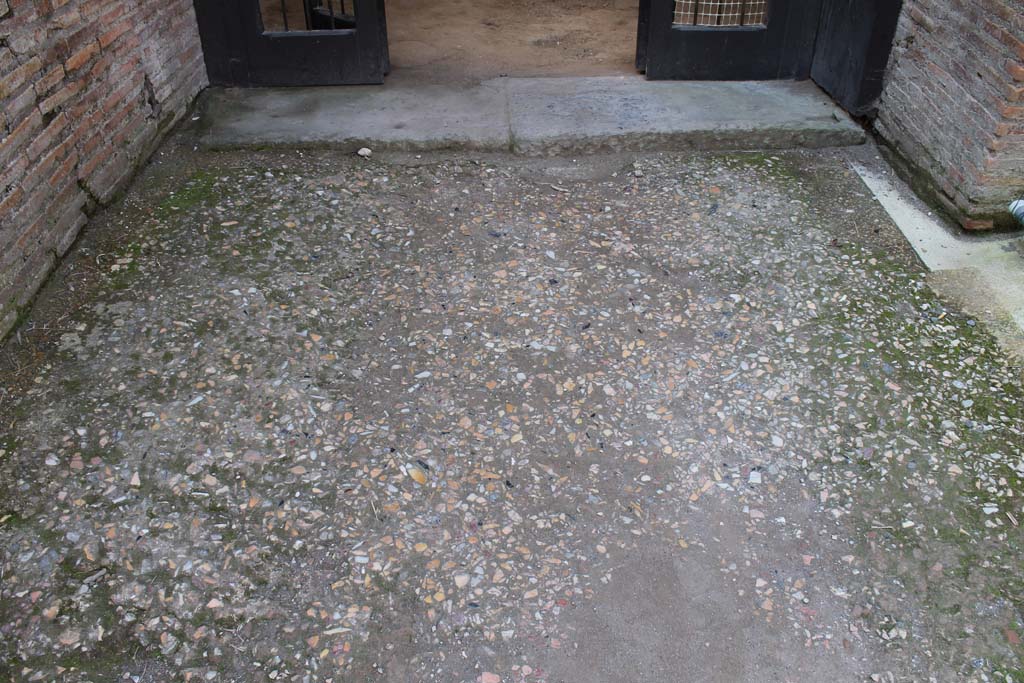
312,417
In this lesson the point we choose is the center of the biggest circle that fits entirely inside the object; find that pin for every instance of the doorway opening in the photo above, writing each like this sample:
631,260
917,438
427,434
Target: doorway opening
843,45
455,40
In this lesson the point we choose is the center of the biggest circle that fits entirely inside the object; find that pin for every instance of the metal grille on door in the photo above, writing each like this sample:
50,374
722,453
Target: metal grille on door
306,15
721,12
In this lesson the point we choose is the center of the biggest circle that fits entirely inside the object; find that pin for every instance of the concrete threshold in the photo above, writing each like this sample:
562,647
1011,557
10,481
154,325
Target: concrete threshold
534,116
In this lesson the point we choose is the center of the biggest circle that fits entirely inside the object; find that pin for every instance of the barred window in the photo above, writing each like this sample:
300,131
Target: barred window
307,15
721,12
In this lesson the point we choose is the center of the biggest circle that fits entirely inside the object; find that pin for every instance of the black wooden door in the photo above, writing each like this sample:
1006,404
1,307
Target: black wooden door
293,42
729,40
852,51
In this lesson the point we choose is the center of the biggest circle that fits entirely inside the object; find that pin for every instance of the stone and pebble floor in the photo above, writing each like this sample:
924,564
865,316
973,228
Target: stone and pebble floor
312,417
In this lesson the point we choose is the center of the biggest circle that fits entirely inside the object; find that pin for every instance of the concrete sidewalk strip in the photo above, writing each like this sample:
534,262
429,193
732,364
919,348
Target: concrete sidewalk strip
400,118
535,116
610,114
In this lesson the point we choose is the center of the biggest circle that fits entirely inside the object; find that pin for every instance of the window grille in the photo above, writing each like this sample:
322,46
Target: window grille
307,15
721,12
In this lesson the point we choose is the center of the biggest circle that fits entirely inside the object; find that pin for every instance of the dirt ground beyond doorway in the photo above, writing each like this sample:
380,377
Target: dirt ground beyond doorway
462,39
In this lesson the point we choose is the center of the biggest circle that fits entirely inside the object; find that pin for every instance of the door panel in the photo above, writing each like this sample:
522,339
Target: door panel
731,39
293,42
854,42
643,34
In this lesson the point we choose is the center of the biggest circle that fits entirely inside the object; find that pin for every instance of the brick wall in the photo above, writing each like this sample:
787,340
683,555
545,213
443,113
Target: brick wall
87,87
953,105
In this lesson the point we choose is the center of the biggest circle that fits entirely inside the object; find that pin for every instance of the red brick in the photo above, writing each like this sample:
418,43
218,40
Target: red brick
1012,112
952,101
60,97
12,200
21,105
49,80
118,30
80,58
974,224
20,136
65,170
1016,71
47,139
15,79
71,74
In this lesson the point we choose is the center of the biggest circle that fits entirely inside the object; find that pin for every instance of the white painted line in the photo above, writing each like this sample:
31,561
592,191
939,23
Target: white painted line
937,247
994,261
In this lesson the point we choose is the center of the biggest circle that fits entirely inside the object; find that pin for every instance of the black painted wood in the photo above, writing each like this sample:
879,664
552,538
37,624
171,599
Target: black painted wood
643,29
239,53
854,42
783,49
